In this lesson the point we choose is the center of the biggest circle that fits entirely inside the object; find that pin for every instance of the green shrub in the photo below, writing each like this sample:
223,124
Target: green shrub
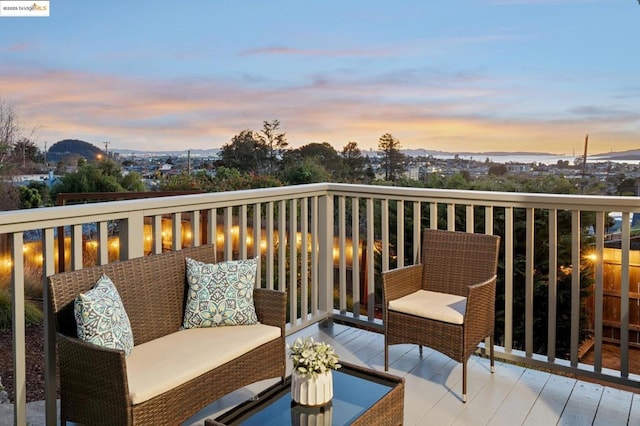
33,315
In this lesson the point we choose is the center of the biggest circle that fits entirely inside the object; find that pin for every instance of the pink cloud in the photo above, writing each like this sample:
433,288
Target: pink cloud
165,114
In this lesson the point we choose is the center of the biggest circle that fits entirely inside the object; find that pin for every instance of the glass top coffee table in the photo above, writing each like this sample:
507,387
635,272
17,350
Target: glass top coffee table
361,396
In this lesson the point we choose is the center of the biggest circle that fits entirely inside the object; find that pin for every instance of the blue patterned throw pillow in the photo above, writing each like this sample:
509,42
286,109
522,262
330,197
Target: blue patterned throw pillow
220,293
101,318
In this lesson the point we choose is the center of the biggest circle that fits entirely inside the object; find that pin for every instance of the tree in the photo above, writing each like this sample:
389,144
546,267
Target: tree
9,196
29,198
9,129
498,169
246,152
322,153
25,151
275,143
309,171
627,186
103,176
354,163
132,181
392,158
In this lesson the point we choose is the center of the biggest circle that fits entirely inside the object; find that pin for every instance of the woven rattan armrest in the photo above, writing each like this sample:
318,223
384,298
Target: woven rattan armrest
480,300
401,282
96,373
271,307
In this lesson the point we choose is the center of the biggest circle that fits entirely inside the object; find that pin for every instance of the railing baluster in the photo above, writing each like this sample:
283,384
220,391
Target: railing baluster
242,232
370,261
282,245
325,258
384,227
488,220
624,295
470,219
552,285
400,233
304,259
157,235
18,318
488,229
196,238
355,258
49,268
315,258
257,240
451,216
269,249
103,243
293,263
176,231
417,230
433,215
342,265
599,292
212,228
528,316
76,247
575,286
508,279
228,233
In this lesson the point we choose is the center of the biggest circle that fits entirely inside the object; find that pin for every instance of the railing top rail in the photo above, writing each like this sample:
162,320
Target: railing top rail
22,220
511,199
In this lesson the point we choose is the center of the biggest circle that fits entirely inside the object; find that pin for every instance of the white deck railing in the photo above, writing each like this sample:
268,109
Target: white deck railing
341,236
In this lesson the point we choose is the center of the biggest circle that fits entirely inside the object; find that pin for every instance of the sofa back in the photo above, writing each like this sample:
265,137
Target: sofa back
152,289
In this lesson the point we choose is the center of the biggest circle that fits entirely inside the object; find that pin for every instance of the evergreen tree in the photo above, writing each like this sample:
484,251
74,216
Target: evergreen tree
354,163
275,143
392,158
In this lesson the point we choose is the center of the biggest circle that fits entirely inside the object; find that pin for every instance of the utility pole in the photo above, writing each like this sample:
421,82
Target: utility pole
45,155
106,149
583,183
584,157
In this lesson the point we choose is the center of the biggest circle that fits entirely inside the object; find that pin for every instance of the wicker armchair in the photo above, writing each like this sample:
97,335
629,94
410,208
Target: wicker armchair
447,302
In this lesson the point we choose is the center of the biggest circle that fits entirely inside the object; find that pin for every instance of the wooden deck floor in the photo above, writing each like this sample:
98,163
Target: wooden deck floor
513,395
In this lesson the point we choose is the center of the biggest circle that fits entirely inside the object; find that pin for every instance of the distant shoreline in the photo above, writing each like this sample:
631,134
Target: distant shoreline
632,157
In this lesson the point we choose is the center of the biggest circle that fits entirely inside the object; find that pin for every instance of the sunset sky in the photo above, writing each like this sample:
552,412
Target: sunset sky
483,75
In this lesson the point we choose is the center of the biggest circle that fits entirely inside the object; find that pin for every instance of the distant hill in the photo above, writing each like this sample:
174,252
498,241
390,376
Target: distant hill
72,148
632,154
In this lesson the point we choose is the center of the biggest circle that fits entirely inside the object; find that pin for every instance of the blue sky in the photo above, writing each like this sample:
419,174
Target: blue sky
482,75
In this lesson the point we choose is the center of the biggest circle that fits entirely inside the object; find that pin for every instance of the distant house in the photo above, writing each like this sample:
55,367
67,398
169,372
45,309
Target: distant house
25,180
518,168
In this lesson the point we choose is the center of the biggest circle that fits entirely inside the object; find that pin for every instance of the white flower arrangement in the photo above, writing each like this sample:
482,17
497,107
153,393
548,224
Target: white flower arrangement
311,358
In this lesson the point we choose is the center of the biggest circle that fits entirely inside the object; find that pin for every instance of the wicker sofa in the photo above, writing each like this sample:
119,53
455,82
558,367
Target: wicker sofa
171,374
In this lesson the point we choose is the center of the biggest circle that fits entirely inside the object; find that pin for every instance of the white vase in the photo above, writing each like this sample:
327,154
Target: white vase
312,391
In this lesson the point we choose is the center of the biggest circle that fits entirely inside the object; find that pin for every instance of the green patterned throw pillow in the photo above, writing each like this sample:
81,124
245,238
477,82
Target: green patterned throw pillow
101,318
220,293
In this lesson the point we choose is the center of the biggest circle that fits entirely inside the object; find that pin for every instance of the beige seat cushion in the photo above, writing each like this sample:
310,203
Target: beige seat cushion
433,305
162,364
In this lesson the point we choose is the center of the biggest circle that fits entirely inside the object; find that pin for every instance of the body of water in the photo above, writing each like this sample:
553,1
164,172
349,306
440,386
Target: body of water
533,158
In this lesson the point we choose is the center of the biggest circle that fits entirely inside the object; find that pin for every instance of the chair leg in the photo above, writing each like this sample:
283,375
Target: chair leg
386,354
464,381
491,357
420,349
